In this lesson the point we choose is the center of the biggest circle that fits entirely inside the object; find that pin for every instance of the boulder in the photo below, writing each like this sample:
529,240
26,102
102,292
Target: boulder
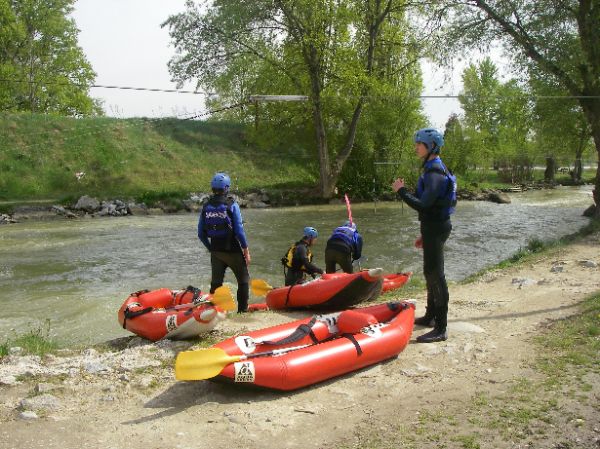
498,197
87,204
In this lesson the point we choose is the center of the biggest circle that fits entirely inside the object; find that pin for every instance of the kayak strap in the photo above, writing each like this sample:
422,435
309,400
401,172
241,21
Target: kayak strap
195,293
354,342
301,331
287,295
129,314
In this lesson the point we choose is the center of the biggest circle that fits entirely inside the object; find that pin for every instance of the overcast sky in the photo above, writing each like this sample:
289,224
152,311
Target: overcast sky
126,46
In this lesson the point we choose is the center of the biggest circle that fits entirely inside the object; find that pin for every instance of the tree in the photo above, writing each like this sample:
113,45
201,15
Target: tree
498,120
41,66
346,55
561,128
562,39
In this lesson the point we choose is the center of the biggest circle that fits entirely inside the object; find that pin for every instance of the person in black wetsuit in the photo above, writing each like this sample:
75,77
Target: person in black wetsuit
434,200
343,247
221,230
298,260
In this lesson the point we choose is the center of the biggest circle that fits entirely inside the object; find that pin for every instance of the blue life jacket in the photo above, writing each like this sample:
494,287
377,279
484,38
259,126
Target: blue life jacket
218,218
346,234
445,205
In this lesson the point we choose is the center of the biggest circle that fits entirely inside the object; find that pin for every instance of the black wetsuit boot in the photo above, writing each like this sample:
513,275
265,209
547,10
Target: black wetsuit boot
441,297
429,318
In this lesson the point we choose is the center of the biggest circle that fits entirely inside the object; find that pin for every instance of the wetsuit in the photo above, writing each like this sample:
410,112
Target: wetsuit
434,216
344,246
300,264
226,246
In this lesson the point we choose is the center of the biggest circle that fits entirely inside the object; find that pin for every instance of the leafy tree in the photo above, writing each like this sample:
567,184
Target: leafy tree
561,39
498,120
561,128
41,66
352,57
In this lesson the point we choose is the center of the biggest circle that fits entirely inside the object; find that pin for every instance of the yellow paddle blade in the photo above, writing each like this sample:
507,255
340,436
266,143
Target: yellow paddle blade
202,364
223,298
260,287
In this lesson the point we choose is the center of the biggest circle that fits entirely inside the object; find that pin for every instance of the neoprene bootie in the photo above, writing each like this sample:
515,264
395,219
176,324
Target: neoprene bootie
425,321
433,336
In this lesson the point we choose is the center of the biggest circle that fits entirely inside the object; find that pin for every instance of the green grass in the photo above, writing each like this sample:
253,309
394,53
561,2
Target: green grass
34,342
164,158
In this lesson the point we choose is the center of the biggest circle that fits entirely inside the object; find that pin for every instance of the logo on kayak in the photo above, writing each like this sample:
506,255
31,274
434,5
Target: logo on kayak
171,323
246,344
330,320
244,371
374,330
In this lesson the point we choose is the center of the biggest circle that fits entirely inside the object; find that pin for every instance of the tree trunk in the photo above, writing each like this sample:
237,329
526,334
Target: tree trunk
550,169
591,108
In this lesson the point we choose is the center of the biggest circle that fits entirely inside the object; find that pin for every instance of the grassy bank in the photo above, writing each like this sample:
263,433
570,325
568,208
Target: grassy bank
41,155
57,159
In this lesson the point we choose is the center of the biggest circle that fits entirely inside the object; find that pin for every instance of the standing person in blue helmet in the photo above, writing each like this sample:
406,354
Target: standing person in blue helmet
221,230
434,200
343,247
298,259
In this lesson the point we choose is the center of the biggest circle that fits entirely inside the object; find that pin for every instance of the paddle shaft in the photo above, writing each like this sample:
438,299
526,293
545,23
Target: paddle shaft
348,208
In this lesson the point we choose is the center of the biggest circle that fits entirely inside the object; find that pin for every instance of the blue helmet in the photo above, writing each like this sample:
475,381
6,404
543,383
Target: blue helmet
220,181
432,138
349,224
310,232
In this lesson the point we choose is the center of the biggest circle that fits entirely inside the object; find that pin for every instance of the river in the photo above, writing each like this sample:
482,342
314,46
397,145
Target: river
75,274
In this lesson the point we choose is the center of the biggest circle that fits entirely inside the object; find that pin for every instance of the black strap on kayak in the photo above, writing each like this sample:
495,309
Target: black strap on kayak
354,342
287,295
195,292
301,331
129,314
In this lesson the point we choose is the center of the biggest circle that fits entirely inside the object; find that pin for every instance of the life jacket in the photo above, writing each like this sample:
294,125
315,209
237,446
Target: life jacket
346,234
218,217
288,259
445,205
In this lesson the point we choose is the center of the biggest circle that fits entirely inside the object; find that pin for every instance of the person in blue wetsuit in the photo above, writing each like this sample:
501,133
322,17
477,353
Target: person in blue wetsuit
343,247
221,230
434,200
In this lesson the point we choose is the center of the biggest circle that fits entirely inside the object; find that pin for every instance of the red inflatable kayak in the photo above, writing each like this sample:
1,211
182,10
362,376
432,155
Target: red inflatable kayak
307,351
175,314
330,291
394,281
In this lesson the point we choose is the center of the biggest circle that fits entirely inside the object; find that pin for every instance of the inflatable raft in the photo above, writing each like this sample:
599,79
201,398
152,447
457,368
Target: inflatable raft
333,291
394,281
304,352
174,314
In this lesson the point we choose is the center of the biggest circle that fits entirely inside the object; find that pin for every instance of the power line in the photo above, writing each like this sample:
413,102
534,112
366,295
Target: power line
259,98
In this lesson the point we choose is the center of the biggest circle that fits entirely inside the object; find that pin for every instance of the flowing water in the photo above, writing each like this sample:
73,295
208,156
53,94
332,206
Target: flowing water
76,274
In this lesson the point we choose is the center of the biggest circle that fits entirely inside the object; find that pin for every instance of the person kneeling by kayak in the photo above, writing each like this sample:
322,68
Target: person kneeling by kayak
298,259
343,247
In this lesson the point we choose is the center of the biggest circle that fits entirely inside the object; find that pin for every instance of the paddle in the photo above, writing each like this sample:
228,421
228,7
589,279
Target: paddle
348,208
206,363
260,287
222,298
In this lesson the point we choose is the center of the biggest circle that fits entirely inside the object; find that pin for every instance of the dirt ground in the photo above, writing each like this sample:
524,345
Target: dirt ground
408,399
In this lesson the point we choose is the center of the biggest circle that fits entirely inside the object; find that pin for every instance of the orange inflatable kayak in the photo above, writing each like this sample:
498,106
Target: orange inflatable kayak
304,352
174,314
330,291
395,280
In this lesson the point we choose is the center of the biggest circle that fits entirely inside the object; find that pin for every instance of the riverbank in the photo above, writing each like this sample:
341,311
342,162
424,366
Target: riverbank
90,207
520,369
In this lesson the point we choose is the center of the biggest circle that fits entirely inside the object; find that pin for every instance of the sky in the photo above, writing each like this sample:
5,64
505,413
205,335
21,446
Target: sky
123,41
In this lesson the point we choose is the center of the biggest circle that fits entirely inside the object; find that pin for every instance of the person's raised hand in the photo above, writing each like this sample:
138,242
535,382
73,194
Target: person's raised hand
398,184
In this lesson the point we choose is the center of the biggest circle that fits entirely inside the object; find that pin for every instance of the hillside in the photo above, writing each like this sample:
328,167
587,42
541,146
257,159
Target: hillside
41,157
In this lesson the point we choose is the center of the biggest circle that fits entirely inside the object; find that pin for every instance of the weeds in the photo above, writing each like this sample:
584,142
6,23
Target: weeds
35,342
